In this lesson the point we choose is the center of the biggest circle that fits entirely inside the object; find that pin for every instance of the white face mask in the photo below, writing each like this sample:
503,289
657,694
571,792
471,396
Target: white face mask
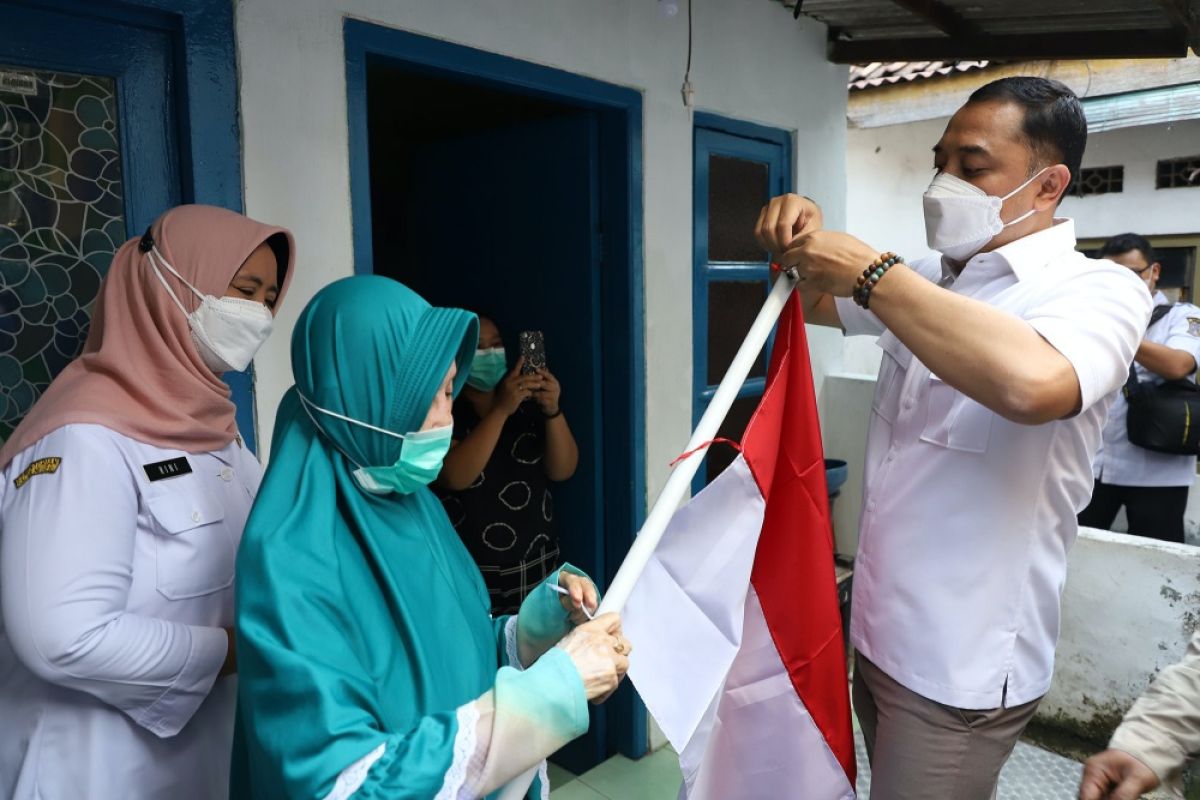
961,218
227,331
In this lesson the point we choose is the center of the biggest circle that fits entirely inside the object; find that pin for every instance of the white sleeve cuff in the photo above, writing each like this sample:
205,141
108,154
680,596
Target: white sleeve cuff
1185,342
856,320
180,701
355,775
464,753
1082,355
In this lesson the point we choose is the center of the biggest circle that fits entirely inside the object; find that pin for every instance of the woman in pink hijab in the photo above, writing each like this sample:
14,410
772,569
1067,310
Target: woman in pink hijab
123,497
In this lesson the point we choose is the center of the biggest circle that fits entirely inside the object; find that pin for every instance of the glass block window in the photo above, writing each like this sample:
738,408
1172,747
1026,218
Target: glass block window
1097,180
1173,173
61,220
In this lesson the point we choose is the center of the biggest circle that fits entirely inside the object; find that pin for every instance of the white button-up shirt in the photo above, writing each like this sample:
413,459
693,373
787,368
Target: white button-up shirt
1124,464
114,590
967,517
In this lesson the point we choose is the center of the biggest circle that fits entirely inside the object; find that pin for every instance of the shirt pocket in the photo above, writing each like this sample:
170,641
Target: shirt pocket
954,420
194,553
892,373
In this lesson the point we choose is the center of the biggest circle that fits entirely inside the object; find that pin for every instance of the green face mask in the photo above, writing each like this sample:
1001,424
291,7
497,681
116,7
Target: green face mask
487,369
421,456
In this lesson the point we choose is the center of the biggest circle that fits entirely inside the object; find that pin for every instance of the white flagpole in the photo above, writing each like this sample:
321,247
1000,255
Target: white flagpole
680,479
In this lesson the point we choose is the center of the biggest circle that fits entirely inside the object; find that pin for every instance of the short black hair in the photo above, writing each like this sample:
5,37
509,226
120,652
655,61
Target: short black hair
1128,242
1054,126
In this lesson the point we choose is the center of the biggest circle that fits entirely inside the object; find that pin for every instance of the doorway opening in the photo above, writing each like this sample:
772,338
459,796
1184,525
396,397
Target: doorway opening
514,190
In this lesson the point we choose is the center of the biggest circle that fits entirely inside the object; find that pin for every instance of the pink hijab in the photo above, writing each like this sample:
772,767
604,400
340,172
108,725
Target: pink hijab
140,373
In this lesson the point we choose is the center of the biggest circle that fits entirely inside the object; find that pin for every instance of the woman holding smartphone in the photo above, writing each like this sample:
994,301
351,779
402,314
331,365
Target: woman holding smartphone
511,441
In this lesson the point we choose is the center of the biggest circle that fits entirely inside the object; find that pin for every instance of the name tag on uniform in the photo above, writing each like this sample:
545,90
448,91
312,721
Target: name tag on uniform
172,468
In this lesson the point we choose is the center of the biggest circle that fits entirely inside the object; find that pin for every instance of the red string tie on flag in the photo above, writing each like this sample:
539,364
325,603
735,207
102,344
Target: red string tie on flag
704,446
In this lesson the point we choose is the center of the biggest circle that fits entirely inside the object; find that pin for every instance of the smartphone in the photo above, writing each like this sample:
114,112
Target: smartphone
533,348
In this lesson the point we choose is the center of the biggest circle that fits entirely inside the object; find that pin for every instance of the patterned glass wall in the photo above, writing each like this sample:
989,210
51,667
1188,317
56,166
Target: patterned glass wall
61,220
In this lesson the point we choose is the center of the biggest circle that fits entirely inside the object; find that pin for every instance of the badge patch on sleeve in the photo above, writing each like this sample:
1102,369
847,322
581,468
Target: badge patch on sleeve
43,466
1194,326
171,468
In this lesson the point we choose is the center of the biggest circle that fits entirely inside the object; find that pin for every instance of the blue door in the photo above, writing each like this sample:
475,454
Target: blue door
89,157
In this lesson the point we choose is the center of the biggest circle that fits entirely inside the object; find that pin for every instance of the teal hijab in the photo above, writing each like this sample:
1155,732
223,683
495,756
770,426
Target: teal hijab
361,620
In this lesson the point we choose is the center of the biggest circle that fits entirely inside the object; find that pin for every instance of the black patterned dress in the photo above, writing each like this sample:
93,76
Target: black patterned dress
506,517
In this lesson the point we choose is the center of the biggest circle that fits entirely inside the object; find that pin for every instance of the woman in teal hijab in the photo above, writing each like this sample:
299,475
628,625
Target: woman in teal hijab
368,664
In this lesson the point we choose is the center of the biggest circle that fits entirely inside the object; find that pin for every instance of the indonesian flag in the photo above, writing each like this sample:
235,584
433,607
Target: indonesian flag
738,637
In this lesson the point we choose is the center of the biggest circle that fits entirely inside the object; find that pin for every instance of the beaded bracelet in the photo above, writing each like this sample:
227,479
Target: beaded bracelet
871,276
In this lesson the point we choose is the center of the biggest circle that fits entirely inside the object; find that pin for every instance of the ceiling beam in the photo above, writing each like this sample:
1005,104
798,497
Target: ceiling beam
1092,44
941,16
1185,14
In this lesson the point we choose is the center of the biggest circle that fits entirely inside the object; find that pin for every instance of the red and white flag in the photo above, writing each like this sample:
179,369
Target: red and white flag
738,637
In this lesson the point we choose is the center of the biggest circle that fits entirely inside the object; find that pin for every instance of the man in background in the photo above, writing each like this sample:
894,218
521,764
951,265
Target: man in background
1153,487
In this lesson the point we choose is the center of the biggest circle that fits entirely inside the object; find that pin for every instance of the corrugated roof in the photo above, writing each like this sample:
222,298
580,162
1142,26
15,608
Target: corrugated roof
960,30
865,76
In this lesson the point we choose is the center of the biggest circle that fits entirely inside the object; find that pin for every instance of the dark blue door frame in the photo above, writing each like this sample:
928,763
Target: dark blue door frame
717,135
204,119
619,113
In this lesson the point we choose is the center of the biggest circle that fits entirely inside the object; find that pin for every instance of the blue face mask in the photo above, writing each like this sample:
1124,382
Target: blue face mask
487,369
421,456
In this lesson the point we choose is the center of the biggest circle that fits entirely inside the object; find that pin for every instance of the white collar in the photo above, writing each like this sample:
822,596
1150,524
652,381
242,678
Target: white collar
1024,257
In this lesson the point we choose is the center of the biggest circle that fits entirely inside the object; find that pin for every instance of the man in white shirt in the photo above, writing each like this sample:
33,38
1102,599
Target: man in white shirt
1001,358
1152,486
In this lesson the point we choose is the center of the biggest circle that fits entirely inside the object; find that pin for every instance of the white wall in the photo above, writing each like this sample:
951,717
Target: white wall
845,406
887,170
1140,207
1129,608
751,61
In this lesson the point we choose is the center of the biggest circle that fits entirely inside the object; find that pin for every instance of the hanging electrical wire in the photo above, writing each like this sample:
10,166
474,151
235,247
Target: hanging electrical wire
688,92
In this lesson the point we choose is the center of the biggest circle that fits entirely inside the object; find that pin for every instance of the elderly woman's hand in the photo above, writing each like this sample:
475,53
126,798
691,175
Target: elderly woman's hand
581,595
600,653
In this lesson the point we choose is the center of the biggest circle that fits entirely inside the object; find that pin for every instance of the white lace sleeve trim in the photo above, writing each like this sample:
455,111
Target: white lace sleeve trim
353,776
464,750
510,643
544,778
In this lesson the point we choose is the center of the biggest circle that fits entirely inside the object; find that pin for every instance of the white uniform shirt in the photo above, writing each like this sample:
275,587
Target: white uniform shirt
114,590
1121,463
967,517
